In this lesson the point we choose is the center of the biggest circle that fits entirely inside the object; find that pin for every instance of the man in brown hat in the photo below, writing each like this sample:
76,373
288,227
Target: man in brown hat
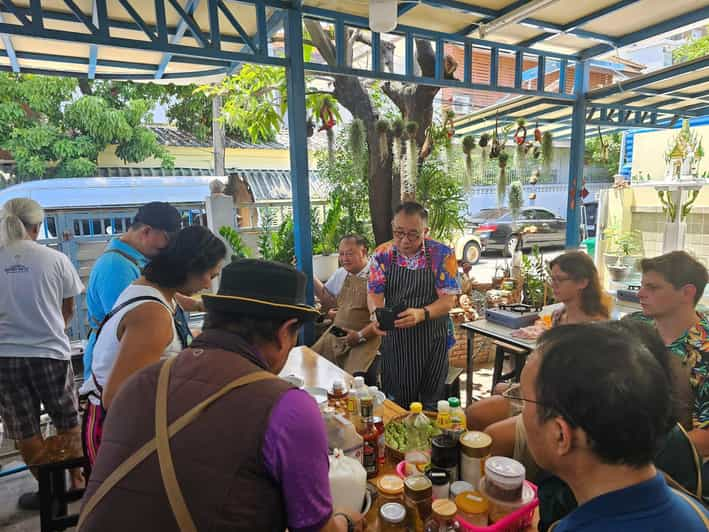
229,445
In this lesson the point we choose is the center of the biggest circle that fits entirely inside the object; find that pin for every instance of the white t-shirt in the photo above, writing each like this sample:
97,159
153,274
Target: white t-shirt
108,344
34,281
335,283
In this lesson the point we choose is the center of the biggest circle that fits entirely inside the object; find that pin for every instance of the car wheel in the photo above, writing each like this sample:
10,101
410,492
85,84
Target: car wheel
471,253
511,246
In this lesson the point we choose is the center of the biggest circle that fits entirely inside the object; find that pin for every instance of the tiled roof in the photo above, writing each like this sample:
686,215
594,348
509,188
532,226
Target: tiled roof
170,136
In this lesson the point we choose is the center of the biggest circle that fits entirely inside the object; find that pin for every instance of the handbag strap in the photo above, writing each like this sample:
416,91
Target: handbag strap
117,309
150,447
697,462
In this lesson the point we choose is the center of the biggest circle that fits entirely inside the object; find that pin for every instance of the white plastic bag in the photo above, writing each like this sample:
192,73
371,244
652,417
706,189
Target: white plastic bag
348,482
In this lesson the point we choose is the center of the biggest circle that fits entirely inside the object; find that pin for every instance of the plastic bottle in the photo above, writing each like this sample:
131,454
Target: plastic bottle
443,420
337,397
417,430
353,399
342,434
443,518
458,420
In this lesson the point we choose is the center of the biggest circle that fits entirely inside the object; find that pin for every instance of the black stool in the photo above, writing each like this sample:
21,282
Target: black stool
519,357
54,497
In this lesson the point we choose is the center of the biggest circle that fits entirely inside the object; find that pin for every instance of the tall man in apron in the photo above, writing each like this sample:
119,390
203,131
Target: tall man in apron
345,293
421,273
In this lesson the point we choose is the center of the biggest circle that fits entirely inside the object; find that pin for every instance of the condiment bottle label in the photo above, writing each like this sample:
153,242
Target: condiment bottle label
369,460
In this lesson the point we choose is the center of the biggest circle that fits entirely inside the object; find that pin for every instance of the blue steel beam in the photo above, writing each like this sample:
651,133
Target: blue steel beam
118,77
10,50
190,7
190,21
405,7
62,16
133,44
80,16
509,111
362,22
248,39
668,25
660,75
295,75
578,146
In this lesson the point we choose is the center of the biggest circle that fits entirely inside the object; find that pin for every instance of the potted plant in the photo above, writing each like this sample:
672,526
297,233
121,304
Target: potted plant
239,249
536,290
325,260
622,252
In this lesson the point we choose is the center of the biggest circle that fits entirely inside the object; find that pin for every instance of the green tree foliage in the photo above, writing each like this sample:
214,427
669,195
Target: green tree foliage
692,50
56,127
442,194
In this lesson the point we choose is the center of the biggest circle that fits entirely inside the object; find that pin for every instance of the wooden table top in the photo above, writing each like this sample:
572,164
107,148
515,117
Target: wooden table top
316,370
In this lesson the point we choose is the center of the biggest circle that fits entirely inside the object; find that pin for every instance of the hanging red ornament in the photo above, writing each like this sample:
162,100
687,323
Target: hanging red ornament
327,117
538,134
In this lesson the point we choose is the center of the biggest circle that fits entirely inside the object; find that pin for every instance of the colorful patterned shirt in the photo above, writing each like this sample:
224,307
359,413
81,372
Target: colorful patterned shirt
693,350
443,264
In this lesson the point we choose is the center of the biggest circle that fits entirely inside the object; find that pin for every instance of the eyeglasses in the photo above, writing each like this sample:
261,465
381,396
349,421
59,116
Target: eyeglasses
409,235
559,280
514,395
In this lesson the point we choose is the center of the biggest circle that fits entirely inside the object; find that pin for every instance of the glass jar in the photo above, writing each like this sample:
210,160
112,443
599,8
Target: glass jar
473,508
391,490
504,478
445,455
474,450
418,496
439,480
459,487
392,518
443,518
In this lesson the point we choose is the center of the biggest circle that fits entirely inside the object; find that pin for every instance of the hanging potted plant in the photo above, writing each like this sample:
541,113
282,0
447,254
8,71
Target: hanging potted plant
383,134
502,159
547,152
325,260
409,187
397,130
520,138
515,198
468,146
483,143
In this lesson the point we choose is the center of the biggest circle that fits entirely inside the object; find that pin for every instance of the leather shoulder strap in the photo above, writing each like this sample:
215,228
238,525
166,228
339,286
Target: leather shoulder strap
116,310
176,426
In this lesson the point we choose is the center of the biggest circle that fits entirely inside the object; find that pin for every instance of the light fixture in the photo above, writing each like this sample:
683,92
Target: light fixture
512,17
382,15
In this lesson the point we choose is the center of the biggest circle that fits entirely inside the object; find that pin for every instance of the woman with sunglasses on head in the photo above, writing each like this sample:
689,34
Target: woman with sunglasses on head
575,283
146,323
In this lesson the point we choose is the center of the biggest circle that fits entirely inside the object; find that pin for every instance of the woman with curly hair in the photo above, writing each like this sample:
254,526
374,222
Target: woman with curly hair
146,324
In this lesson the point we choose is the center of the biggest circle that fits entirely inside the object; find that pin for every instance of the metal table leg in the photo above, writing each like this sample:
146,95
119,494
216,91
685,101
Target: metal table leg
469,368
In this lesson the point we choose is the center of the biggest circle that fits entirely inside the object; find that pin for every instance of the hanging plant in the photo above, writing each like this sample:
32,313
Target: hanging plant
397,130
411,160
532,196
515,198
502,159
327,117
309,128
520,135
520,138
383,132
536,152
537,134
449,125
534,179
547,151
357,139
495,147
484,139
468,146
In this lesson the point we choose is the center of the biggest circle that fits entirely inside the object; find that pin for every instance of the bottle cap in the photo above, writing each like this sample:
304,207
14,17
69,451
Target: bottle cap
444,508
443,406
416,408
393,512
454,402
437,476
471,502
338,385
359,382
390,485
475,444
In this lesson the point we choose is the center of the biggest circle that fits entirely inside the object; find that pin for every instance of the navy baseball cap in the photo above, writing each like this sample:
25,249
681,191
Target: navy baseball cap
159,215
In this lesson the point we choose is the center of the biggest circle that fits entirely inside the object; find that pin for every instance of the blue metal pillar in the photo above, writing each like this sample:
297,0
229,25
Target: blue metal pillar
295,74
578,146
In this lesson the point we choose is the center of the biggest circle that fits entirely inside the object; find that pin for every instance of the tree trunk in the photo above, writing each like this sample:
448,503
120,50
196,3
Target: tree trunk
218,137
415,103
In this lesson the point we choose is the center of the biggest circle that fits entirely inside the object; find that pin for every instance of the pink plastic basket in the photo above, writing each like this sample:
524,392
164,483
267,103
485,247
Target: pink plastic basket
515,522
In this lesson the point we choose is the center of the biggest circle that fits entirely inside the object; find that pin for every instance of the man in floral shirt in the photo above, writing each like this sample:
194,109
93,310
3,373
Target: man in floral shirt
672,285
420,273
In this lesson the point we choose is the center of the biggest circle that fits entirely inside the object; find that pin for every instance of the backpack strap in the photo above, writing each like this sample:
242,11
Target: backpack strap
124,255
150,447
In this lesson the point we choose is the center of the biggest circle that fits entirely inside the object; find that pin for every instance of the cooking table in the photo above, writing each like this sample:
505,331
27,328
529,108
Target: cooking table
316,370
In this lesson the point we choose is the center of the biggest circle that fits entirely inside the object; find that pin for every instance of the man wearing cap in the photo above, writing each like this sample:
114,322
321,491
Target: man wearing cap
122,261
245,450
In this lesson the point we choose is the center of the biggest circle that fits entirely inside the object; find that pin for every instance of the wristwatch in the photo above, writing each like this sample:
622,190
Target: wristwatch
361,337
350,522
426,314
